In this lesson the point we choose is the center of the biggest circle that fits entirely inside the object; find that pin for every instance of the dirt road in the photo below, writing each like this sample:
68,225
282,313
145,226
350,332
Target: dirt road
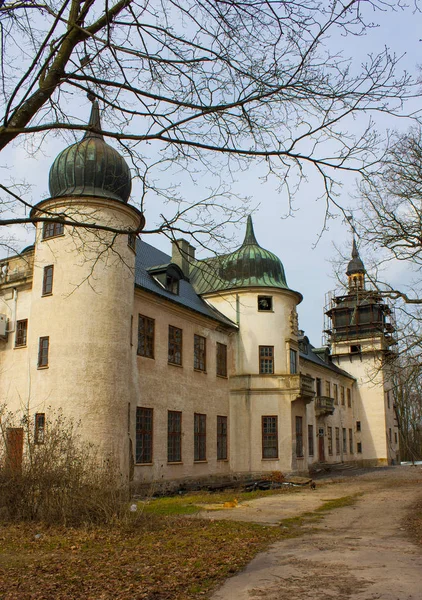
359,552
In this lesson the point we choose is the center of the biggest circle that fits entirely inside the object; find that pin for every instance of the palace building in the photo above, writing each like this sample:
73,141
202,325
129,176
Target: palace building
186,370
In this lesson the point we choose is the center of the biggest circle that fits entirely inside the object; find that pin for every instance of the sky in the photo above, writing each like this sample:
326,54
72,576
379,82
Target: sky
295,239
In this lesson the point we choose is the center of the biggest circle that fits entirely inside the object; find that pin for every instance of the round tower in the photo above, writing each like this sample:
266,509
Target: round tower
79,332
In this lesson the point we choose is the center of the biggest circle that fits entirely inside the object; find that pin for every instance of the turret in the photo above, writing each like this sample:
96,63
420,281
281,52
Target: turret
355,270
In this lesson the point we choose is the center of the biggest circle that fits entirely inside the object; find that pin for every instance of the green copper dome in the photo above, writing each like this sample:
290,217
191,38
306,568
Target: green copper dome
91,168
249,266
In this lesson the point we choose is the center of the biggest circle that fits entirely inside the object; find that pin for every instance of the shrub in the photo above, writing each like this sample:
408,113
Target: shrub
56,478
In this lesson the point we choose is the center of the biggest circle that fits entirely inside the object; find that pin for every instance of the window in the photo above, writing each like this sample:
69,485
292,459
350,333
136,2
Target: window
174,436
199,353
349,397
293,361
396,437
337,440
172,284
390,435
310,440
21,333
39,432
335,393
146,327
344,441
175,345
144,421
343,403
358,427
299,437
52,230
355,349
266,360
47,282
327,389
131,240
43,347
388,399
350,441
330,440
318,387
221,438
221,360
200,436
265,303
269,437
359,447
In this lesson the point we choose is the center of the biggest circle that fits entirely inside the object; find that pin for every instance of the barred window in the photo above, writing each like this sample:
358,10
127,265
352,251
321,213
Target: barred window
21,333
43,347
175,345
221,438
199,353
144,432
200,436
146,330
221,360
47,283
266,360
270,437
52,230
174,436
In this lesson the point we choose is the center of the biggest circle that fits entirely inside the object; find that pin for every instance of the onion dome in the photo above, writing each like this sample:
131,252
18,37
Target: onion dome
355,265
249,266
91,167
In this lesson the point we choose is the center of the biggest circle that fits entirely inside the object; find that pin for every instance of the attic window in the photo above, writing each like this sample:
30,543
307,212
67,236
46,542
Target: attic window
172,284
355,349
265,303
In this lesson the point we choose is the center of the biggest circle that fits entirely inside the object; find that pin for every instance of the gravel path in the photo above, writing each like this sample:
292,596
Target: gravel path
360,552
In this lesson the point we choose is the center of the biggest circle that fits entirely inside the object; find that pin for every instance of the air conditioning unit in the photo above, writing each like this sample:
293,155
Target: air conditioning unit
3,327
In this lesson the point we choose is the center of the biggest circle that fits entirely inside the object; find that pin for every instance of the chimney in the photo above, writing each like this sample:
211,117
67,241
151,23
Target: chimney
182,255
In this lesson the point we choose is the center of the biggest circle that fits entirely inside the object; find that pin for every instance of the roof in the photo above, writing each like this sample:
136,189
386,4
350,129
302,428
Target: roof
148,257
313,357
248,266
356,264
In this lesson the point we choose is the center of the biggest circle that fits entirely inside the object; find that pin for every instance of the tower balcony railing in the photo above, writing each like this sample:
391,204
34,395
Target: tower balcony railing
324,405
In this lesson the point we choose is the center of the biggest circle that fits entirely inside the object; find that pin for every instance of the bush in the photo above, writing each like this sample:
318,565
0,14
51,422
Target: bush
57,478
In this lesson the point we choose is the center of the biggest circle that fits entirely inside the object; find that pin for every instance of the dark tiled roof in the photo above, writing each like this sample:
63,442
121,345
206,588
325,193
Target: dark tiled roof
148,257
317,360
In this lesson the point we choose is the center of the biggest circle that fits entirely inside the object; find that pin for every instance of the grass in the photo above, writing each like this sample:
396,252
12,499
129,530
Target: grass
159,556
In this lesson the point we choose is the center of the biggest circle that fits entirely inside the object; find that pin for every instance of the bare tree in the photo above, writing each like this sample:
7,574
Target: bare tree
207,85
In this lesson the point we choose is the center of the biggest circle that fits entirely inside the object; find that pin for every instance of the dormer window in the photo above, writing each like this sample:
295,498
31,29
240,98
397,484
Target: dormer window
172,284
265,303
167,276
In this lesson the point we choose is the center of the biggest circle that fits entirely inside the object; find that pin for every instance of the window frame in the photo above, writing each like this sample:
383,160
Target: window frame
21,331
199,353
311,444
349,397
350,440
144,435
265,298
39,428
175,347
149,338
299,436
47,280
43,352
328,389
221,360
269,434
344,434
174,436
335,393
57,230
265,360
330,440
200,437
342,396
222,437
337,440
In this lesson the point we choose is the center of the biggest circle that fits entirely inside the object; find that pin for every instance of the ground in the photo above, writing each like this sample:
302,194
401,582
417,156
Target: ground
364,551
353,538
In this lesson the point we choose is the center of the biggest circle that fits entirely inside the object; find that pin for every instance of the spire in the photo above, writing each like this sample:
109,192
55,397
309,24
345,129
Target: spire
356,264
94,120
355,253
250,238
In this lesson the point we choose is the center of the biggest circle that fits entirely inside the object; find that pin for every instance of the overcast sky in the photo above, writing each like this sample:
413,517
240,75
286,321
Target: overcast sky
294,238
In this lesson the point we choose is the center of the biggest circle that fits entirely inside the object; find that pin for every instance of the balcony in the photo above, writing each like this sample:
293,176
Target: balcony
307,386
324,405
